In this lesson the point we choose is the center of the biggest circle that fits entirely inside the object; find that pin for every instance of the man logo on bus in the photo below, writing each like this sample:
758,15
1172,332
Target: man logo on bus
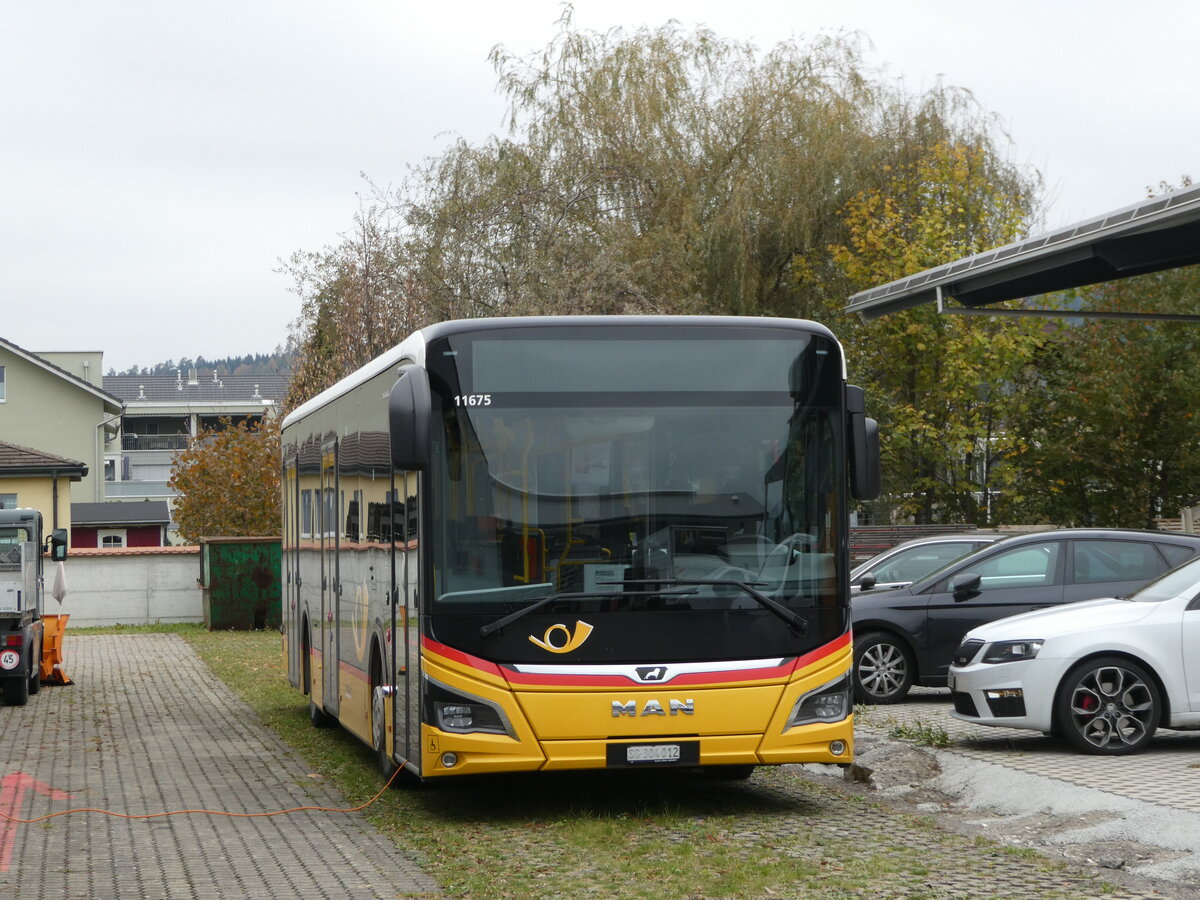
568,642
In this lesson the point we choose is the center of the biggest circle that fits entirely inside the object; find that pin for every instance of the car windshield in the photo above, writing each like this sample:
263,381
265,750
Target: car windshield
917,562
1184,581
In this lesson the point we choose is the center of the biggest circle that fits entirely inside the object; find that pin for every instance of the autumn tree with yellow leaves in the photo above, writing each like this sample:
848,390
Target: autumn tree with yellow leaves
943,386
227,481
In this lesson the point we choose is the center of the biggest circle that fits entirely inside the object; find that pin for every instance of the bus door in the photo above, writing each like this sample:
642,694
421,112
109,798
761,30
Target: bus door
405,567
330,582
291,572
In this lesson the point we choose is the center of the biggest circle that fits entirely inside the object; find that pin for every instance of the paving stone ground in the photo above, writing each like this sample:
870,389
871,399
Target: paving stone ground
147,728
1166,774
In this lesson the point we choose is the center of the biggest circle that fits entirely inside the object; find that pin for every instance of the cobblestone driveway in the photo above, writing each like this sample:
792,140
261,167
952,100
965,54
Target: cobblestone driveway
147,728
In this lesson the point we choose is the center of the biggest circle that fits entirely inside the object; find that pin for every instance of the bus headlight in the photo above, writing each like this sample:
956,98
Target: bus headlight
829,703
461,713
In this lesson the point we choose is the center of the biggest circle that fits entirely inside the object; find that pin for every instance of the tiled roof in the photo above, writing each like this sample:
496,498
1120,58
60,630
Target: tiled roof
142,512
14,456
245,389
135,551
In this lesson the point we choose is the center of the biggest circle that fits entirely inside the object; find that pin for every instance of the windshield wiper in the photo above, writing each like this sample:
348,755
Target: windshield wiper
654,588
798,623
501,624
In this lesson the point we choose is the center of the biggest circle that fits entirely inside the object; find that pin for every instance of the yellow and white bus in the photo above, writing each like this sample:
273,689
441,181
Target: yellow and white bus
580,543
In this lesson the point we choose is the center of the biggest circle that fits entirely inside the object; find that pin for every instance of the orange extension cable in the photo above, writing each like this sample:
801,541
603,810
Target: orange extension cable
4,817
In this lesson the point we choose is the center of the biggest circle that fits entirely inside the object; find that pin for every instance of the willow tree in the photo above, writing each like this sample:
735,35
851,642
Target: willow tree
356,300
673,171
661,171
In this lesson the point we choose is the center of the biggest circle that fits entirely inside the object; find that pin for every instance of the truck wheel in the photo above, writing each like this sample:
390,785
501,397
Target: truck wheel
35,671
16,691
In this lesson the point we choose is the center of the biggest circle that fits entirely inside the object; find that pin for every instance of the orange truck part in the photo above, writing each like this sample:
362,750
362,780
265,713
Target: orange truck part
52,671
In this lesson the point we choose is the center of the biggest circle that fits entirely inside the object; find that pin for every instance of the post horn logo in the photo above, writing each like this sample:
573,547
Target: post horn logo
552,642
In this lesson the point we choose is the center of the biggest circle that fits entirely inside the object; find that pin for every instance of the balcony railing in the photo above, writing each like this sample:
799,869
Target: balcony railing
126,489
155,441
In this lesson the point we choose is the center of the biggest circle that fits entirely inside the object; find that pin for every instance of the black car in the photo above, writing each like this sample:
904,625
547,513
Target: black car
907,635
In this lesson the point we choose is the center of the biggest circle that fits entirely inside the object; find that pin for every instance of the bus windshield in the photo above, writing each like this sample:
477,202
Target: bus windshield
654,476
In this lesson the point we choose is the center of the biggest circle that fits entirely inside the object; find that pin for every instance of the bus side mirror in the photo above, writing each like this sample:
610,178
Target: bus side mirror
863,439
408,417
58,544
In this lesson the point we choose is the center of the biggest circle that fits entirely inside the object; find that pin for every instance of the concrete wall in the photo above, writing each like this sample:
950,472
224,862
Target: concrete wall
129,587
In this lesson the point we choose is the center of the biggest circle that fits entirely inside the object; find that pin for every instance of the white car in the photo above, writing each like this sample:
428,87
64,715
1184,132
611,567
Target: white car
1102,673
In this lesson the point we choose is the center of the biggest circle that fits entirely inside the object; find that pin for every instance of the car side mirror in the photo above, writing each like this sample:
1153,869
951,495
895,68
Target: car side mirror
867,582
966,586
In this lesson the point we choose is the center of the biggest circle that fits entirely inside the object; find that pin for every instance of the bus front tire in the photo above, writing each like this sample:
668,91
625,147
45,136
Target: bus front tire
387,765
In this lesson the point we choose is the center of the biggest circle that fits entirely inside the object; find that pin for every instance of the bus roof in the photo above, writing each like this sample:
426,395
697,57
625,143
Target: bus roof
411,351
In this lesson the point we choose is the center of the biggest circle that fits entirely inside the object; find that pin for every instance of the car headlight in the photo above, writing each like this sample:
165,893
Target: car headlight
1011,651
828,703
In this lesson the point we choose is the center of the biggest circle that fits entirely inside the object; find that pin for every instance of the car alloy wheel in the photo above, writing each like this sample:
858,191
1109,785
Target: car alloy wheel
1110,706
883,669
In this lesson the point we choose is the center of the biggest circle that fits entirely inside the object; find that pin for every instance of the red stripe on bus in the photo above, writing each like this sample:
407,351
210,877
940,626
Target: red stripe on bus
459,656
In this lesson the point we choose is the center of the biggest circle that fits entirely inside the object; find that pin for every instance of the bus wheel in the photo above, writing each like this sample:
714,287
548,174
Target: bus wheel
387,765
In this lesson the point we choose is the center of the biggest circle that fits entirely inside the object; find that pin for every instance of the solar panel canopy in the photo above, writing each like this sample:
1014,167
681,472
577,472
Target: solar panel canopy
1156,234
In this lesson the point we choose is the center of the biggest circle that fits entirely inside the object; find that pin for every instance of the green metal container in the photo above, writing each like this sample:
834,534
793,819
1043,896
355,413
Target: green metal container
240,581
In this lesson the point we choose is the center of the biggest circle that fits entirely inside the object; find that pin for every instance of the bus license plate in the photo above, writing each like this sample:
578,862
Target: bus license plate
652,753
676,753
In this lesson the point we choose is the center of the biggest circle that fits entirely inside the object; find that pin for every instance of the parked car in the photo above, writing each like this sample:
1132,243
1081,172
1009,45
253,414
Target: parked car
1103,673
910,560
908,635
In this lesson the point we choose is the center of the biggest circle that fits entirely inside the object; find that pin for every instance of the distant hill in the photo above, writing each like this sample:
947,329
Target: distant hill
277,363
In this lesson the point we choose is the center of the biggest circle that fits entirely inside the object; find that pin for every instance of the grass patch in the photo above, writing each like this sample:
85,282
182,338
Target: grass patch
602,836
921,733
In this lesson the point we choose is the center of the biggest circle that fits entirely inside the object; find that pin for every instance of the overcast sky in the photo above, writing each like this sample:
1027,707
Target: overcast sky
158,159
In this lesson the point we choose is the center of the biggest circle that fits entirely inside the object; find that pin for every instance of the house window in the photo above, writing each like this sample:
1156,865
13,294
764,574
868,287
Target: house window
110,540
8,501
2,394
